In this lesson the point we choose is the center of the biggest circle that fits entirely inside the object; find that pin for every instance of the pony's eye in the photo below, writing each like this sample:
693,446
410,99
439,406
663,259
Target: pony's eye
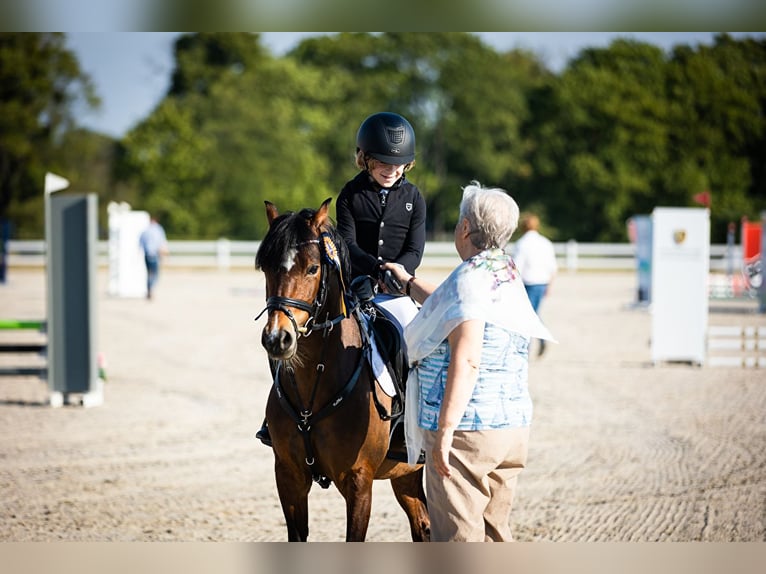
312,270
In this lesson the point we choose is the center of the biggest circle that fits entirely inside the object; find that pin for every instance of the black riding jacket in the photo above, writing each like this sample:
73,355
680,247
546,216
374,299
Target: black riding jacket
395,232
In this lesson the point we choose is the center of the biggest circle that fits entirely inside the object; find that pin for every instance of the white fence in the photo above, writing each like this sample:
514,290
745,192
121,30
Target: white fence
226,254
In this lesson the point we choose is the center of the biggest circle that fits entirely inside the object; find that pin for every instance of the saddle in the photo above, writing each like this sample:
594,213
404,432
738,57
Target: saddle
384,331
390,344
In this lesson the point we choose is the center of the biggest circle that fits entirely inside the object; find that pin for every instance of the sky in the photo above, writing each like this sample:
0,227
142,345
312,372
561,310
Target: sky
131,70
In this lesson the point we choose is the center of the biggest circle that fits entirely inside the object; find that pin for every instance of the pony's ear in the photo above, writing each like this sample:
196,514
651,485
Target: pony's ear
320,217
271,211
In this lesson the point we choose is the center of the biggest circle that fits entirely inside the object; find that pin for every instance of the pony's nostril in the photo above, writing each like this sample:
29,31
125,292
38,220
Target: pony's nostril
285,340
266,340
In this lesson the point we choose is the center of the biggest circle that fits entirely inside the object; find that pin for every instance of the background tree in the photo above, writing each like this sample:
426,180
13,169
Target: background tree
466,102
238,127
718,136
603,141
620,130
40,82
482,132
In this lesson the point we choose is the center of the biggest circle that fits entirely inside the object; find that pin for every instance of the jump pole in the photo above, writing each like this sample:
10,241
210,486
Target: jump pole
11,324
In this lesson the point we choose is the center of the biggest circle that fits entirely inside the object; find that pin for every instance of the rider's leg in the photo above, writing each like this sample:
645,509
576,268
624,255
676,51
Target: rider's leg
263,433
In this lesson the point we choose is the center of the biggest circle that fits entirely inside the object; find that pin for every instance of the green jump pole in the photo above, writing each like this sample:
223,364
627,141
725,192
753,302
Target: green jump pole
6,324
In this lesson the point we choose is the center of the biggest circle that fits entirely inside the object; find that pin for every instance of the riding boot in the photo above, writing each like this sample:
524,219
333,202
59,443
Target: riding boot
263,434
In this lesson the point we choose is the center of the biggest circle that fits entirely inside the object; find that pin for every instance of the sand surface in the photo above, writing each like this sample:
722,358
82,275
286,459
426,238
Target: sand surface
621,450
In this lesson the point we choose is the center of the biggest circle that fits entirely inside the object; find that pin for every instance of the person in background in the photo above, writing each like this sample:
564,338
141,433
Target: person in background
155,245
536,258
468,350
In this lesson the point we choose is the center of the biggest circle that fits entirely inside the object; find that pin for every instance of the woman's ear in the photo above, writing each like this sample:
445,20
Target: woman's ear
465,227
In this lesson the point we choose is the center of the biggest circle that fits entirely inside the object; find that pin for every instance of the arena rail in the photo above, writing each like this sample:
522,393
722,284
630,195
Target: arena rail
736,346
229,254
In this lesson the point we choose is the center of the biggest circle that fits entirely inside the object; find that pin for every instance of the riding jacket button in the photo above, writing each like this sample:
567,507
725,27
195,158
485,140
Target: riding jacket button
382,223
380,242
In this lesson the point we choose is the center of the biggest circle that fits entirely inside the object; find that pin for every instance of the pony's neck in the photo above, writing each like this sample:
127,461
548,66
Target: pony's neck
324,344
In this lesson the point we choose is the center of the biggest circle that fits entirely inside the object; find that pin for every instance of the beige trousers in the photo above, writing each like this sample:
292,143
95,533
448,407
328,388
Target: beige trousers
474,504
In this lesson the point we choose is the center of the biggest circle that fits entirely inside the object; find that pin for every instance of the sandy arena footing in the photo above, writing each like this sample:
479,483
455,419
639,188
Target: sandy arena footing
621,450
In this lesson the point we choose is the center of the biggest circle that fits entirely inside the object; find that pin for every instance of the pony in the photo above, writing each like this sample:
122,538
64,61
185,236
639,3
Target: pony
329,421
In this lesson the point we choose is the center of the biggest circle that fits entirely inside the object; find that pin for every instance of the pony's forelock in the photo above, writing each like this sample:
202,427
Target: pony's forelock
291,229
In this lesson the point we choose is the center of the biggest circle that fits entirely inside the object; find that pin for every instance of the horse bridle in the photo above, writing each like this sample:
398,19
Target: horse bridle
283,304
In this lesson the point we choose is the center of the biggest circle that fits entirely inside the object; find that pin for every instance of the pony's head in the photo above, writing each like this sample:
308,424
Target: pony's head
299,256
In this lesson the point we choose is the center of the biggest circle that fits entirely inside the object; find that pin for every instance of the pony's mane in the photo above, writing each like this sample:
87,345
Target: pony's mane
291,229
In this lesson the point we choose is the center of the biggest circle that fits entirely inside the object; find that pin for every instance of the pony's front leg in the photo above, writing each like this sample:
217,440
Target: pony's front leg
293,486
356,488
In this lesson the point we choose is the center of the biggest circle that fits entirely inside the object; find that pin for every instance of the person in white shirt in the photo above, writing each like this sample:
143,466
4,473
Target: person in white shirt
536,259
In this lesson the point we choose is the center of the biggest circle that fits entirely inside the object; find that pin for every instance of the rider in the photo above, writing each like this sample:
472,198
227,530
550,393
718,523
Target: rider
381,215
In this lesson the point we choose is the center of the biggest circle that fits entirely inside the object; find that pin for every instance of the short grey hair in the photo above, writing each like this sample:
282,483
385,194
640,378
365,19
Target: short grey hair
492,215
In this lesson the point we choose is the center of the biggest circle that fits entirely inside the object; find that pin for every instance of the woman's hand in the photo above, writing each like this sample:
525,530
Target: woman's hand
441,451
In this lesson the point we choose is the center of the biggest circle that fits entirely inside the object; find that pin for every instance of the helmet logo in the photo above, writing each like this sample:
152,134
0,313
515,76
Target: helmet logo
395,135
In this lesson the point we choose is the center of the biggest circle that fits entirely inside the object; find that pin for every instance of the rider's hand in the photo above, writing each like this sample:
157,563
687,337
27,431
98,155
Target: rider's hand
391,283
398,271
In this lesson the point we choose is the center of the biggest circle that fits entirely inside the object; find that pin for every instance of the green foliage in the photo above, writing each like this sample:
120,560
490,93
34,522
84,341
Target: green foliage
40,80
607,140
631,128
719,127
231,134
621,130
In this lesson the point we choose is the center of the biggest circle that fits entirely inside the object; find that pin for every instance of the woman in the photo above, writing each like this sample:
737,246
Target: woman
468,400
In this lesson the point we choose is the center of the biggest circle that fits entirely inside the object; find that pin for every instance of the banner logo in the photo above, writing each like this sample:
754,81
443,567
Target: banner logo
679,236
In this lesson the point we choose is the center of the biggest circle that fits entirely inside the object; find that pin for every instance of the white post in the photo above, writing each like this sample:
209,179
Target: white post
572,255
127,270
223,253
680,268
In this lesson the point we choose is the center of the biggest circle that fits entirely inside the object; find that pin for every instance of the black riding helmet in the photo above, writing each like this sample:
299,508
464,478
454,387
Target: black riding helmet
387,137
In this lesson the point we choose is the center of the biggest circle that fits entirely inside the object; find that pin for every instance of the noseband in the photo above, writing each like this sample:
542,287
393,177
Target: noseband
283,304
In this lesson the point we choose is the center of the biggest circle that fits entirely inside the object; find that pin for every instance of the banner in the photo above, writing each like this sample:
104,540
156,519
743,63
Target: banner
751,254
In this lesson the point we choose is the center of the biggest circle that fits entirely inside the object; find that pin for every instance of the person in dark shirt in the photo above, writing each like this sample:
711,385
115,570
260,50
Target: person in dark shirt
380,213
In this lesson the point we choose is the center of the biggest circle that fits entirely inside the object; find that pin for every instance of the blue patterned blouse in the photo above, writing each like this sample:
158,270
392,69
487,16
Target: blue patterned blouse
500,398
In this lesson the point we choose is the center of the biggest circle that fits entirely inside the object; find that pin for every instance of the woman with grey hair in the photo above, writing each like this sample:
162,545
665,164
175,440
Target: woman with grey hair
468,403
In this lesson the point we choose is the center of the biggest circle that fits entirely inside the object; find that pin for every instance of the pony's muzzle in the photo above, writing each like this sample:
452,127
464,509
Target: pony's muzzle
280,343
